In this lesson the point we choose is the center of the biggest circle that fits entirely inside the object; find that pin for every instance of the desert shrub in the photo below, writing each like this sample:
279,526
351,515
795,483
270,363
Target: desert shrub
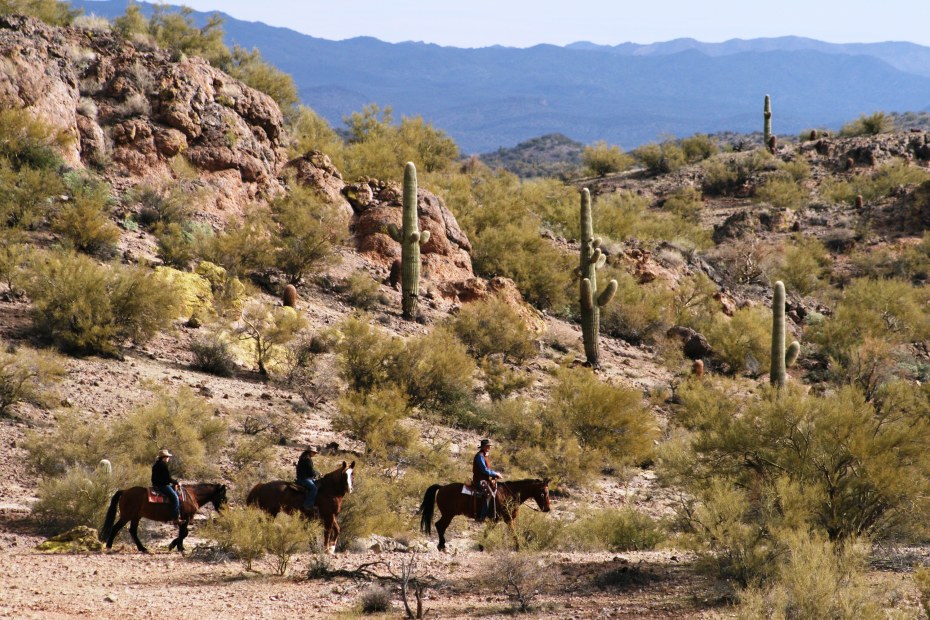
27,194
868,125
161,205
78,497
213,353
28,376
181,422
73,443
267,330
500,381
242,247
803,265
624,529
287,534
623,215
692,302
796,169
785,460
686,203
249,67
29,142
882,182
436,372
311,132
892,310
372,510
366,354
698,147
375,599
84,221
602,159
85,308
375,419
240,531
660,158
177,243
14,257
639,313
50,11
743,342
176,31
520,576
782,193
305,230
533,531
727,173
493,326
815,579
361,291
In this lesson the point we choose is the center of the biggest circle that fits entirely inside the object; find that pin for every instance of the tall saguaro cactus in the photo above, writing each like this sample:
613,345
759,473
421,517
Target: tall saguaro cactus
410,240
781,359
591,259
767,121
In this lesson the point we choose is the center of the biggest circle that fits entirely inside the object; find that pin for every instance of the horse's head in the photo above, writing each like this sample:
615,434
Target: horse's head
219,499
541,495
348,475
340,480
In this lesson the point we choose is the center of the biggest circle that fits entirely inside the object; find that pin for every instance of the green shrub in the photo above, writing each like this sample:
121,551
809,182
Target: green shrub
28,142
84,219
366,354
374,418
520,576
26,195
436,372
532,531
868,125
602,159
78,497
310,132
803,265
213,353
182,422
692,302
617,530
306,228
361,291
240,531
881,183
686,203
641,312
661,158
161,205
375,599
177,243
267,330
73,443
727,173
14,257
500,381
371,510
287,534
242,246
492,326
85,308
743,342
782,193
249,67
698,148
28,376
623,215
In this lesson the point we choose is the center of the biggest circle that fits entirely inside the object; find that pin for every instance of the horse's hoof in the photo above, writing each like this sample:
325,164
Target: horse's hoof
331,550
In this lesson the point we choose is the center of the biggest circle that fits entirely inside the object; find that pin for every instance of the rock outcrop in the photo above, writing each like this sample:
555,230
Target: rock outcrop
131,109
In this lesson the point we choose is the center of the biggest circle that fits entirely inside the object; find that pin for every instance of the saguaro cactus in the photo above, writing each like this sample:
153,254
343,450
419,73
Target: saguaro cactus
591,259
767,121
781,359
410,240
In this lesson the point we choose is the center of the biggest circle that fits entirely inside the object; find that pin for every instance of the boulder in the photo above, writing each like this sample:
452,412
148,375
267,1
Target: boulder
694,345
80,539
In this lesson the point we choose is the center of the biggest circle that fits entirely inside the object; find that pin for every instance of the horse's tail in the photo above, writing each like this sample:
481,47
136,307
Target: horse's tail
427,507
111,517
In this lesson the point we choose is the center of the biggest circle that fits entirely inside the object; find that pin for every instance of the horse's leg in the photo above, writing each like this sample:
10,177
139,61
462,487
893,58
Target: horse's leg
134,532
330,532
335,535
114,531
179,541
441,526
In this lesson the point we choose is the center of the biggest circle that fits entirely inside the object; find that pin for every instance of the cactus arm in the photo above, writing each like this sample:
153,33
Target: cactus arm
607,294
792,353
595,256
414,237
394,233
587,295
601,262
424,237
576,272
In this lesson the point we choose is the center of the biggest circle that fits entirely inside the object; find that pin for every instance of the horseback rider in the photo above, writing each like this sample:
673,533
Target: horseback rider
483,477
165,483
307,475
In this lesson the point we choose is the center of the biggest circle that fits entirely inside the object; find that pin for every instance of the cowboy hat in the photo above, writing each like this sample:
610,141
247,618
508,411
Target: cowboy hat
164,453
485,442
312,449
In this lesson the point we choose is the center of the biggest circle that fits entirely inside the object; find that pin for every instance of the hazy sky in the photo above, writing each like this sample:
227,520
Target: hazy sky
522,23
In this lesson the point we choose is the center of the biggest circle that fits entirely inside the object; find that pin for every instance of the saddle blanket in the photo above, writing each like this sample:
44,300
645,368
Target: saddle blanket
467,490
155,497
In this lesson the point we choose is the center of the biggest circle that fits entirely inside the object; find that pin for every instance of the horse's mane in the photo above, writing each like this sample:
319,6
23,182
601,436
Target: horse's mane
330,479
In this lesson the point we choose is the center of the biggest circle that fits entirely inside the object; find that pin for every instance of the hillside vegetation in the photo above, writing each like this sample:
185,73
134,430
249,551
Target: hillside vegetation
190,260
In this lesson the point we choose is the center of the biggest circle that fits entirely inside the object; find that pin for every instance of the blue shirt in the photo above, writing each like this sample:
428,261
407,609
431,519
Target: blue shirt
481,467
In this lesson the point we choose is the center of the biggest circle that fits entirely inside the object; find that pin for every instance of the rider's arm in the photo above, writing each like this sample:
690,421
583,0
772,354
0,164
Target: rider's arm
483,467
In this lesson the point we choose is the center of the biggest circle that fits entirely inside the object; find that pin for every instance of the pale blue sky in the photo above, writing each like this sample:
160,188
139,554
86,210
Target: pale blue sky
522,23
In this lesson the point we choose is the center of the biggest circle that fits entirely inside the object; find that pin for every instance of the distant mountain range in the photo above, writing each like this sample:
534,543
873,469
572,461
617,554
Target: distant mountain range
628,94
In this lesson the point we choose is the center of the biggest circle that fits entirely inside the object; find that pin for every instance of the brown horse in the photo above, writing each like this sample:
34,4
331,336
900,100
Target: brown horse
134,506
452,502
278,495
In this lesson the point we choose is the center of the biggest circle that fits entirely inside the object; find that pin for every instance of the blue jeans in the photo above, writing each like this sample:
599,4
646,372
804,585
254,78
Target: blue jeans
169,492
310,485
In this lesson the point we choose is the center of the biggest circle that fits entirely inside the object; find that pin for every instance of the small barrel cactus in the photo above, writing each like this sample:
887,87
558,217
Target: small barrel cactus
591,259
781,359
410,240
289,296
767,120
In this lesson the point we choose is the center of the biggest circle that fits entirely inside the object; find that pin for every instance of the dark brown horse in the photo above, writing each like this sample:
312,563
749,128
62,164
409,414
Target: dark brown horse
134,505
278,495
452,502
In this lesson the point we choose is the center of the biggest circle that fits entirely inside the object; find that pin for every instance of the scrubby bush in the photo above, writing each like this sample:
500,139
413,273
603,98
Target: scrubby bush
78,497
602,159
623,215
726,173
305,230
493,326
161,205
85,308
617,530
375,599
372,510
27,195
287,534
874,186
436,372
686,203
660,158
868,125
251,68
520,576
803,265
73,443
782,193
240,531
28,376
50,11
266,330
532,531
698,148
241,247
361,291
84,221
311,132
500,381
29,142
213,353
14,257
641,312
375,419
743,342
177,243
366,354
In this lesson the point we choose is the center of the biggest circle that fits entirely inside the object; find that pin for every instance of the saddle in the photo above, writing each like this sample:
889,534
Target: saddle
156,497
